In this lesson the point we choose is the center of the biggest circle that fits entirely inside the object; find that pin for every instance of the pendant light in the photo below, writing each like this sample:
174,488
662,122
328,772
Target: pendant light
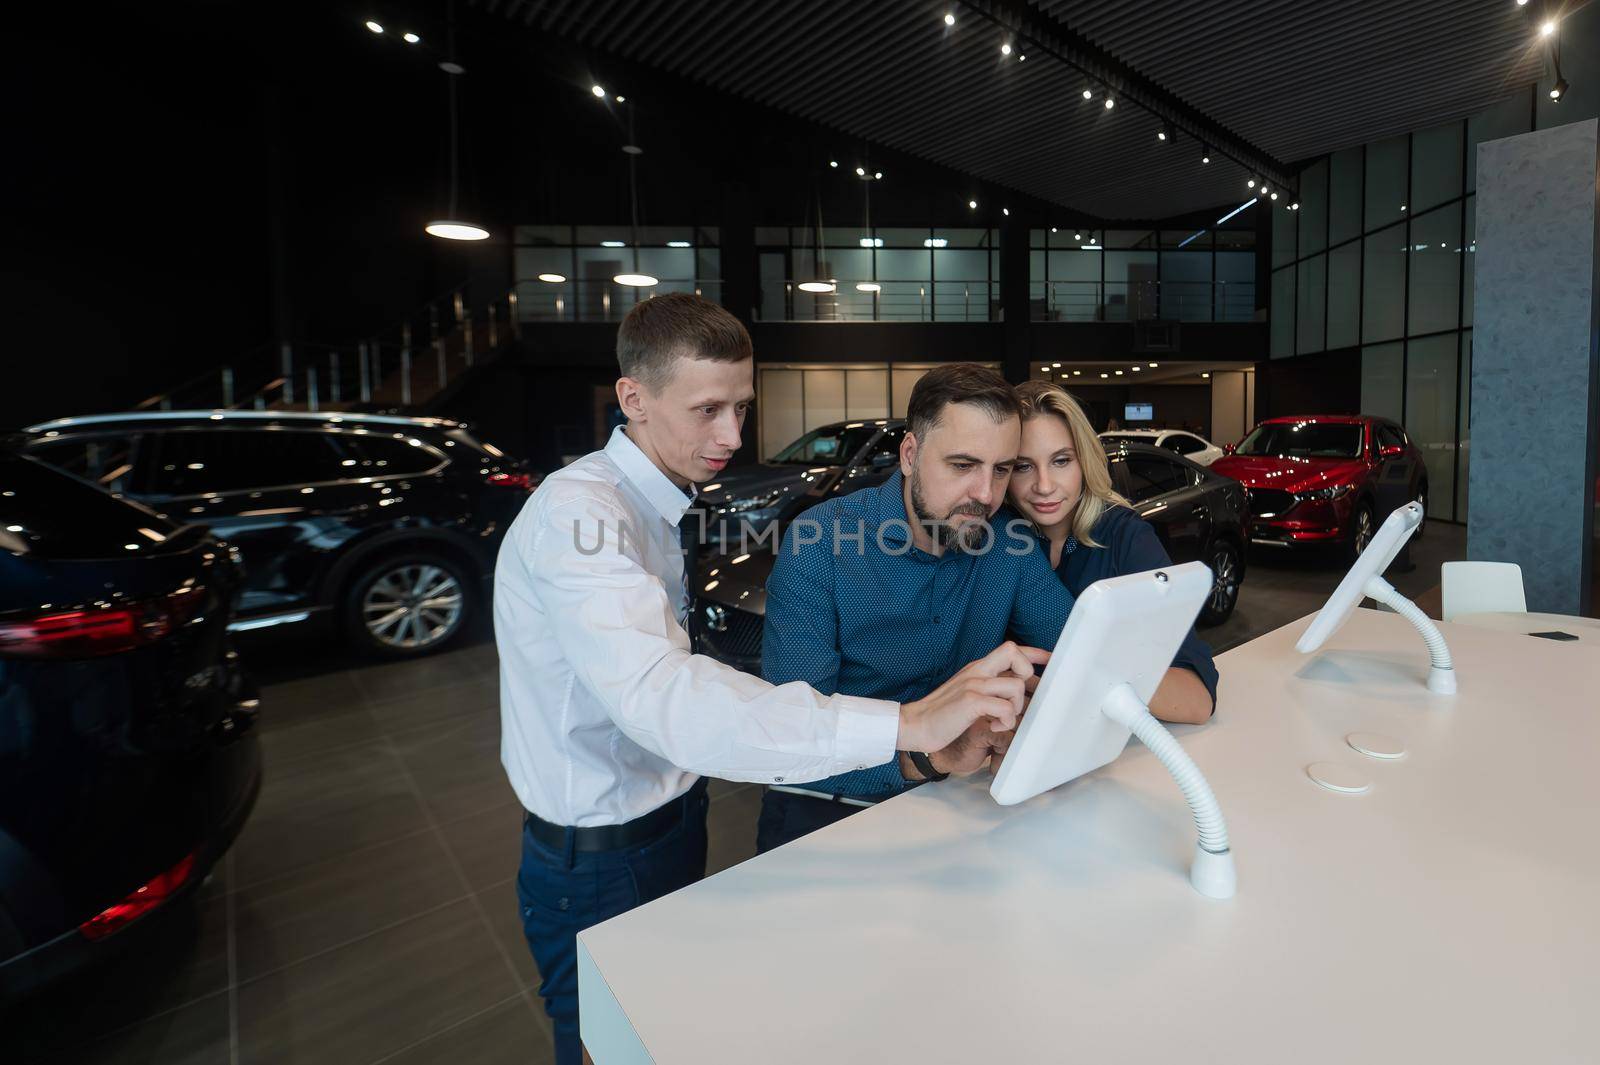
637,278
452,227
818,283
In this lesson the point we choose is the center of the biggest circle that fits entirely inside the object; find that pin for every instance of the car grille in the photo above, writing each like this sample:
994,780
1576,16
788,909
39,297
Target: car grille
1272,501
738,643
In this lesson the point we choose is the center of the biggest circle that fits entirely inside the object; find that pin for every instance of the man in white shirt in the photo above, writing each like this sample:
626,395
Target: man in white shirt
607,719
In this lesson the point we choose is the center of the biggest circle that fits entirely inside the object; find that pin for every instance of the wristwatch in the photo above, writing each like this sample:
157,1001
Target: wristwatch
924,766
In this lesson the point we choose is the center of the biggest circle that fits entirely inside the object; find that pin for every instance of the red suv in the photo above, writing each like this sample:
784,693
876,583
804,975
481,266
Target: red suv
1325,478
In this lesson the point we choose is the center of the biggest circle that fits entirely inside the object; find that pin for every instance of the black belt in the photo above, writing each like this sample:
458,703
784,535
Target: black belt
656,823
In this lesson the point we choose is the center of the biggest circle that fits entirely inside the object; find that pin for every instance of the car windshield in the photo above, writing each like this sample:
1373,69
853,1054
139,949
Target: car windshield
828,446
1303,440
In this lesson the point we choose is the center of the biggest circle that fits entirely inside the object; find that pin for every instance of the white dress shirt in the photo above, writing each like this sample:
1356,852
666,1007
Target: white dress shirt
605,715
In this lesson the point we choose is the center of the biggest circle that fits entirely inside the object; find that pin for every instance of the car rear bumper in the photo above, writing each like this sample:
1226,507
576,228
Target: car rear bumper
234,771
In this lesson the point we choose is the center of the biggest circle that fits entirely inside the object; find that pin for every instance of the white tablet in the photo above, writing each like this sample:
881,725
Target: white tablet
1392,536
1123,630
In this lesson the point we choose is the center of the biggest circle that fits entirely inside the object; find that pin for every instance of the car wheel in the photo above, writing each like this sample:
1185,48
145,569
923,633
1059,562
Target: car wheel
1362,526
1422,500
1227,571
407,605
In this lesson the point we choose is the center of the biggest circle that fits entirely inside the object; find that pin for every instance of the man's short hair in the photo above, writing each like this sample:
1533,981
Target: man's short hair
959,382
662,329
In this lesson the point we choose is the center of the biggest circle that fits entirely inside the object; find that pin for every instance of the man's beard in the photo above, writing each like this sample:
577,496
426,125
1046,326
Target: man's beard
968,536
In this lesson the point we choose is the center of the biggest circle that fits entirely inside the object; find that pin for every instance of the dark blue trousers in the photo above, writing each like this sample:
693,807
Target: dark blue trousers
785,818
562,892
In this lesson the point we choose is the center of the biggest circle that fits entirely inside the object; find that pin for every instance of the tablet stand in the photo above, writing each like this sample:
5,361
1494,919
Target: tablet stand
1441,670
1212,872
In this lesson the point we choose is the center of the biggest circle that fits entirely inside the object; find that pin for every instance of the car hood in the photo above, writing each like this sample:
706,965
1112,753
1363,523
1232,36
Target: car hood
1291,475
738,581
746,481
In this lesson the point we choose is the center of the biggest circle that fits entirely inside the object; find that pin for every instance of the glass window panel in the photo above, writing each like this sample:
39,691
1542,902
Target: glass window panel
866,393
904,264
1310,294
1344,195
901,382
1236,238
1130,238
1186,239
593,235
824,392
849,265
1435,287
1283,312
774,284
1074,265
531,262
1131,292
1383,284
1236,286
1036,238
1186,286
660,235
1283,237
708,263
675,264
1505,119
707,236
962,238
1313,213
1464,421
951,264
1435,167
1386,182
1469,250
903,237
1430,419
1344,296
1380,380
772,236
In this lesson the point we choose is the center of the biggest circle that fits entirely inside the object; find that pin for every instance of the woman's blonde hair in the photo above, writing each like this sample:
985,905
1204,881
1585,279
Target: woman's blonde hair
1048,398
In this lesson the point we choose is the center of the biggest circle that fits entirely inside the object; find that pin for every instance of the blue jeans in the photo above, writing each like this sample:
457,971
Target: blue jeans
785,818
564,892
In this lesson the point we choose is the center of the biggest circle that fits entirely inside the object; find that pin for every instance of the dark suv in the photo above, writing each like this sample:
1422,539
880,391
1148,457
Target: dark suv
128,753
388,524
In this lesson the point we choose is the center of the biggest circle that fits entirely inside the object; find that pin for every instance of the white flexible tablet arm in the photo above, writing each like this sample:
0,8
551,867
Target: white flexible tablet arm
1441,670
1212,872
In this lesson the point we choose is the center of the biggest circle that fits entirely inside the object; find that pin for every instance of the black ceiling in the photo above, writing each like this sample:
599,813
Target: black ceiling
1295,79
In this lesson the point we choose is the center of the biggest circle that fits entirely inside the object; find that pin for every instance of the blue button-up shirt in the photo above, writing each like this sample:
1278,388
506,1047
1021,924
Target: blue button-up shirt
853,607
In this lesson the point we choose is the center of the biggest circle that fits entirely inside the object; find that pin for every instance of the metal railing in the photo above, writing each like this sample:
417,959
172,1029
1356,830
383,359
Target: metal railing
880,300
1137,301
598,299
397,368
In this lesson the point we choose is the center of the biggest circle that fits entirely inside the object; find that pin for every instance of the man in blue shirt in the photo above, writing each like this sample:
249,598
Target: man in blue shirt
887,591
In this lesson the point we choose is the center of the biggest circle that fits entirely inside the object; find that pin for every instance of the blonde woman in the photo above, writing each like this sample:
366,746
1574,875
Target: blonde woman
1062,484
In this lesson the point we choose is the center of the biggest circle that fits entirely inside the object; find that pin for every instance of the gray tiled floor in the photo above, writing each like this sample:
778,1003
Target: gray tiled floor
367,914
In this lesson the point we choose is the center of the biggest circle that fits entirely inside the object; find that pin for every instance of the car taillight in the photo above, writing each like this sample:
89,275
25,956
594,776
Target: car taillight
523,481
160,888
93,633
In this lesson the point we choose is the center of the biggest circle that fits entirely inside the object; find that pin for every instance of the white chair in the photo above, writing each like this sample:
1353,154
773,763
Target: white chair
1481,587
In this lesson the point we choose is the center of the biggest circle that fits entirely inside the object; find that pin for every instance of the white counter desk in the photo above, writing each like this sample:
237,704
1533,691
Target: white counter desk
1450,913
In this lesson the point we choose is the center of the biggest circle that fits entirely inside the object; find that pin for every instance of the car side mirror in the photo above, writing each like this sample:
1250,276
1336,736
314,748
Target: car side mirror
883,460
1389,451
1228,449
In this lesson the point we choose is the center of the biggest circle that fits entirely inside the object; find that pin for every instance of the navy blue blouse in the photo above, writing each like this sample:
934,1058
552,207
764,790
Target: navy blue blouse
1130,545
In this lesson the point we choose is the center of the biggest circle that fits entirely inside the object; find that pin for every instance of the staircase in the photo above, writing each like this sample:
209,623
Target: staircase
403,369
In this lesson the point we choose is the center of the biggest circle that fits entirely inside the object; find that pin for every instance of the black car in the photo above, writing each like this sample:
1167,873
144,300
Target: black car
1197,514
829,460
389,525
128,755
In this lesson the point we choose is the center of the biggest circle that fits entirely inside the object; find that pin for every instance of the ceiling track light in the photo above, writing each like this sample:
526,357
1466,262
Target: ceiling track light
373,26
1205,153
1088,94
1549,28
1005,48
950,18
410,38
1167,133
1110,103
1559,89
